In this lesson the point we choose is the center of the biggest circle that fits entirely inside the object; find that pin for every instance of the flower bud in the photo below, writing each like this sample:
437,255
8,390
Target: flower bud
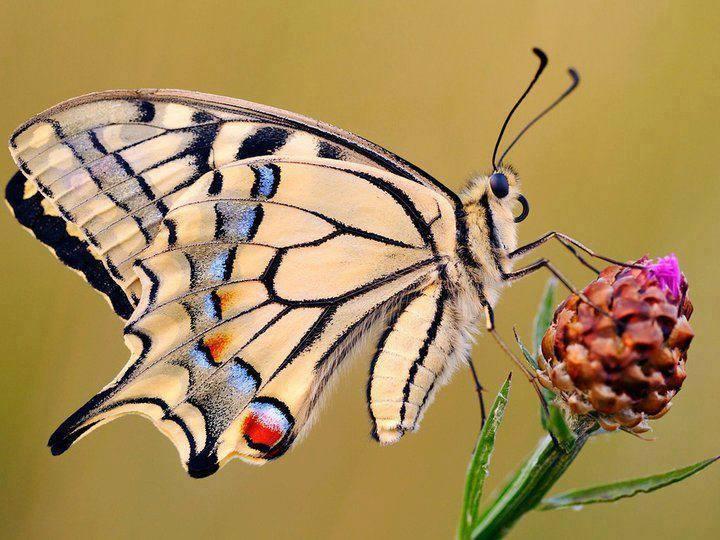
625,361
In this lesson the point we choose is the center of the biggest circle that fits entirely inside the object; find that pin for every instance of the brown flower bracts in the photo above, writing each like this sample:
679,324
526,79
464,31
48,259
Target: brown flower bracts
625,368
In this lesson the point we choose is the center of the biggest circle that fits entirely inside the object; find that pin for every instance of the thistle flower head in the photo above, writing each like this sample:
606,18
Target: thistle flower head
626,361
667,271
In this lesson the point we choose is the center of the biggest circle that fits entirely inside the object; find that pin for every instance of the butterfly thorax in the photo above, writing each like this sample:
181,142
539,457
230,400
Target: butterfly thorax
491,232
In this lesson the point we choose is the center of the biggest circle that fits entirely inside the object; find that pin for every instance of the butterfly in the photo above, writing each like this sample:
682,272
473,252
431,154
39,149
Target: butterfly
250,251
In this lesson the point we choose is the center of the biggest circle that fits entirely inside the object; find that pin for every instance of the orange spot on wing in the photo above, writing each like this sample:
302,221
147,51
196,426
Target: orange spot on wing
225,299
216,345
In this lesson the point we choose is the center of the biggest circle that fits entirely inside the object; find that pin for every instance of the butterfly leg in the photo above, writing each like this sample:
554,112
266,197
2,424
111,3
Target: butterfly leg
479,389
531,377
490,327
545,263
570,244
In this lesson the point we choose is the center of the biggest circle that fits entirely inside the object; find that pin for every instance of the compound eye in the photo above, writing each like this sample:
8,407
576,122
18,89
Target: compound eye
499,185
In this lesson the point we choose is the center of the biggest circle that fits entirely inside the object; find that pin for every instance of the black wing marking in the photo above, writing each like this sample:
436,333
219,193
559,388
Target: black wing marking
52,231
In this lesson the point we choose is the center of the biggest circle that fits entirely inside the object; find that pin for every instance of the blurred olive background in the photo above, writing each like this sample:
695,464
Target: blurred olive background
629,165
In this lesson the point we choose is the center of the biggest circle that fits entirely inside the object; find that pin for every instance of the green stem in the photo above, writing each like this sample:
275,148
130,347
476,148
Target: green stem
529,484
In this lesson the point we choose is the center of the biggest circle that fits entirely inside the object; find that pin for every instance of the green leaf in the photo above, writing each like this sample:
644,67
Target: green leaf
557,425
545,312
621,490
478,469
555,422
526,353
529,484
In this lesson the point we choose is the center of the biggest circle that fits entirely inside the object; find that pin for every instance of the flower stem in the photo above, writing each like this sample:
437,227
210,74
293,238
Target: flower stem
529,484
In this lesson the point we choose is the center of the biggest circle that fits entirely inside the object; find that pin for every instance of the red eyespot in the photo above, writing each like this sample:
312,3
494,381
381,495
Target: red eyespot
260,434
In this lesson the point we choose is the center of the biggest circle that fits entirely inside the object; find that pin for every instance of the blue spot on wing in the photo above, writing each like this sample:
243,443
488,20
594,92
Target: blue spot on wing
243,378
243,221
210,307
267,181
267,178
200,357
270,415
237,222
217,267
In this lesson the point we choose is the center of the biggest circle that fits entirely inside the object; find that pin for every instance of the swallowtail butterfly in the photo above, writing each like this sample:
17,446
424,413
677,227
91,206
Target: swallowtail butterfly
249,251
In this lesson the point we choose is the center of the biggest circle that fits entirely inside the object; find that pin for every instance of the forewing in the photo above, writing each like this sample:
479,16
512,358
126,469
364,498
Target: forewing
37,215
105,168
263,277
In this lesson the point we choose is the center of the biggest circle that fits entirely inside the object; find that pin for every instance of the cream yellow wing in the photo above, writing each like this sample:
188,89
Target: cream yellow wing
262,278
103,169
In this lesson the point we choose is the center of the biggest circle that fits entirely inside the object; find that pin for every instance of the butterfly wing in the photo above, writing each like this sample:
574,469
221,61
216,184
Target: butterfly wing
104,169
37,215
262,278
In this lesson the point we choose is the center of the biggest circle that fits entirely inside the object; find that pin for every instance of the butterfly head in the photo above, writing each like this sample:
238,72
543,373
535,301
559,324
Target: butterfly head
500,191
494,205
504,186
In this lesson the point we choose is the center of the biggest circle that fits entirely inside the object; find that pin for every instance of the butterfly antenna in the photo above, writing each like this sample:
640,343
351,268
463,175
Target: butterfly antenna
543,62
573,85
